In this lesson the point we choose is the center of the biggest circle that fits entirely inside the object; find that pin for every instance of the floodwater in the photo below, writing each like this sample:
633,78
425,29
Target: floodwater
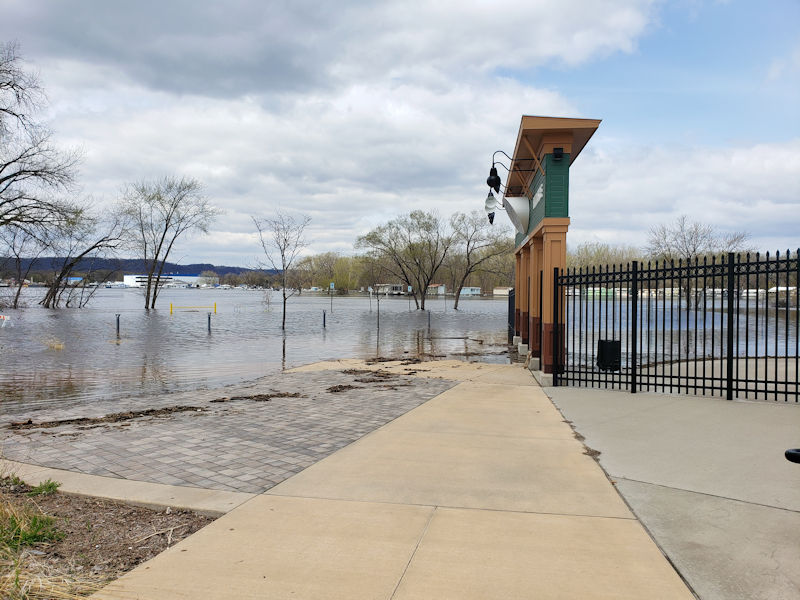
71,356
673,332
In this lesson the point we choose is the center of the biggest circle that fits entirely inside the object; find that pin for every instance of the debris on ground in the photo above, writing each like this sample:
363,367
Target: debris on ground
260,397
342,388
112,418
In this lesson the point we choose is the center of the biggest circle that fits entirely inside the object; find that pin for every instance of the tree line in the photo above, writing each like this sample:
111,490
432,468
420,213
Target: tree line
414,250
42,213
682,240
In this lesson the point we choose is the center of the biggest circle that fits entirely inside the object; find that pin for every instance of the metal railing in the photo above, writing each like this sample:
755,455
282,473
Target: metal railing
725,326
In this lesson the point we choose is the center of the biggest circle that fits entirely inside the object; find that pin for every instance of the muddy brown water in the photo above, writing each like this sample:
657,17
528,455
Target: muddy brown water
73,356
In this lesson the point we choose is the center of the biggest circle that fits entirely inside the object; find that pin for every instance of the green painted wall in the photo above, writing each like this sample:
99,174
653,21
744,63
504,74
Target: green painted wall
556,192
557,186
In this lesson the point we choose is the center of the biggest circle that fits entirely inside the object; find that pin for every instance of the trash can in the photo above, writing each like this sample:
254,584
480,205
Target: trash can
609,355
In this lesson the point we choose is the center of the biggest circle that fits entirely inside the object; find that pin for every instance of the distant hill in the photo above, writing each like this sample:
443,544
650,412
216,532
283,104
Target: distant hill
126,266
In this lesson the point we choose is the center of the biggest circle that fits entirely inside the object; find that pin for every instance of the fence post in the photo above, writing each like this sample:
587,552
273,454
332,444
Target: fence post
730,356
541,317
634,327
556,327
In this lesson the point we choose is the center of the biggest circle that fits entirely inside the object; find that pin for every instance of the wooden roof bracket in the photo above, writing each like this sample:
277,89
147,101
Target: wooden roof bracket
538,164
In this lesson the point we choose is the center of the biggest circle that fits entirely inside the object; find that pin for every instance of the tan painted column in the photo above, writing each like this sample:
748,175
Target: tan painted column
517,292
524,296
535,318
554,254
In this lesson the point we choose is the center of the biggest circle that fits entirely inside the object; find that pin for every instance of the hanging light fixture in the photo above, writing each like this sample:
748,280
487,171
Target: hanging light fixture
493,181
491,206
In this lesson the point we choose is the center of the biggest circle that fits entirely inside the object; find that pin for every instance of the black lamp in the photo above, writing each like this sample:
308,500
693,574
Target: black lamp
493,181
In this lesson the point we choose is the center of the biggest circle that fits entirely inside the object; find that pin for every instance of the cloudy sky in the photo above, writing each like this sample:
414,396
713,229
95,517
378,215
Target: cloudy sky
354,112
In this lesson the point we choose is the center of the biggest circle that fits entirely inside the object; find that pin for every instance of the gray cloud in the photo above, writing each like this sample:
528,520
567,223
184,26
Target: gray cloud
352,112
252,47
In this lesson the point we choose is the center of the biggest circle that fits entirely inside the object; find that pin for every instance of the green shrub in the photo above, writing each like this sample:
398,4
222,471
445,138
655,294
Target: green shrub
45,488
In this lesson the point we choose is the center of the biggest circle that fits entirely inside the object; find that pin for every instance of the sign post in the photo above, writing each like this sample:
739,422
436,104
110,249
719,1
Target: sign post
330,292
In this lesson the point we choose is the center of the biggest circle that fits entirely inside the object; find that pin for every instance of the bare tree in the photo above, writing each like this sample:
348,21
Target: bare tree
20,249
475,244
282,241
81,244
686,240
598,253
160,212
412,248
32,169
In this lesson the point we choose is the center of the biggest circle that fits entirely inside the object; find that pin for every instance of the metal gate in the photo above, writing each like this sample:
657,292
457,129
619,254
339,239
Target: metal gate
725,326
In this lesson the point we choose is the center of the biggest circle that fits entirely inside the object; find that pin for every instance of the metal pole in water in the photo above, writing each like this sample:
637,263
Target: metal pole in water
209,322
117,324
429,320
323,319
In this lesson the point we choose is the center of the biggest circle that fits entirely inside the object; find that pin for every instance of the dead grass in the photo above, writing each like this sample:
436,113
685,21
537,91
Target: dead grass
23,527
22,577
63,547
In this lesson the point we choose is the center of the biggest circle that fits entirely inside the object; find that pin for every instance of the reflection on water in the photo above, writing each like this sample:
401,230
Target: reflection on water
71,356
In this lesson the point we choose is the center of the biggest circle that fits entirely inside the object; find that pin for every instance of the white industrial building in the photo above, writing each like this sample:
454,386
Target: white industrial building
172,280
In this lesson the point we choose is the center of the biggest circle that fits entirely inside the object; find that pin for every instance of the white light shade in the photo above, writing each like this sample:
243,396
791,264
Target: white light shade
518,210
492,204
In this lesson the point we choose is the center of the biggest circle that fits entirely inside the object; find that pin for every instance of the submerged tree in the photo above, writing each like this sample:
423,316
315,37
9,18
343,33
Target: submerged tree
80,245
282,240
412,248
160,212
19,250
476,245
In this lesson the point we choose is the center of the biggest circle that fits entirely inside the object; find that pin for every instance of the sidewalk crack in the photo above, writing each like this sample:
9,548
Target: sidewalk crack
410,558
710,495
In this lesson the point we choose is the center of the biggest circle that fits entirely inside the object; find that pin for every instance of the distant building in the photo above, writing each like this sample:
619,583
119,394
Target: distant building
391,289
469,290
437,289
501,291
172,280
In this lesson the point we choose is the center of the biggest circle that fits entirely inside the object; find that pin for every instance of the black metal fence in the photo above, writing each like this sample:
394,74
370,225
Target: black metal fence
723,326
511,305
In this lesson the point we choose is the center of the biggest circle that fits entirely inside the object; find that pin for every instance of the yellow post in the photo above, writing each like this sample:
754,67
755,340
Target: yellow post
215,308
170,308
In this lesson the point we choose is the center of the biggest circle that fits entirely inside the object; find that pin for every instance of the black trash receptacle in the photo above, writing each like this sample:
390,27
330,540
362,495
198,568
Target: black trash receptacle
609,355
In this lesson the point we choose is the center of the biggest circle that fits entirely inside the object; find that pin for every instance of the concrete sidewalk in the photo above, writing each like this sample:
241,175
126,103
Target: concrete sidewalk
481,492
709,480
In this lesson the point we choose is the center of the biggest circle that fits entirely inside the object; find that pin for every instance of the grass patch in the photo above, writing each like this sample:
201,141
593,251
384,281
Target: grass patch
24,525
16,481
45,488
19,528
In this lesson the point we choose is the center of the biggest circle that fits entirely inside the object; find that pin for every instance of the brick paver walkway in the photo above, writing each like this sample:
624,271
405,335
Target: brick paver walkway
240,445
